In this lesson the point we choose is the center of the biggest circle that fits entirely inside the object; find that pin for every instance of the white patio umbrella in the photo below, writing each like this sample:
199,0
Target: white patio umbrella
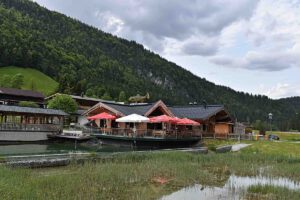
133,118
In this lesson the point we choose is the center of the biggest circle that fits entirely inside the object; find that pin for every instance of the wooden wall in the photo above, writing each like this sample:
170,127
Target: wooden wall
222,128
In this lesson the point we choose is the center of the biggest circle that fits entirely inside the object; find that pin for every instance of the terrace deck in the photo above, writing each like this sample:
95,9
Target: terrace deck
148,138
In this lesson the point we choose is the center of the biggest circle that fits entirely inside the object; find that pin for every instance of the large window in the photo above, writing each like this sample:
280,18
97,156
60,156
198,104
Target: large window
13,119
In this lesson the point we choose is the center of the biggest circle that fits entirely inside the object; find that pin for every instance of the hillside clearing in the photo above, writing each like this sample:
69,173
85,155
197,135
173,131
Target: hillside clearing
33,79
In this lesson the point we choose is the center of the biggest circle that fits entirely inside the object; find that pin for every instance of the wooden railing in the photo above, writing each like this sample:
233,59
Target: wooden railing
227,136
29,127
147,133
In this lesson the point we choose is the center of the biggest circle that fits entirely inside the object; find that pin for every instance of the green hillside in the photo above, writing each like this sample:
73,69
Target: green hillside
83,59
33,79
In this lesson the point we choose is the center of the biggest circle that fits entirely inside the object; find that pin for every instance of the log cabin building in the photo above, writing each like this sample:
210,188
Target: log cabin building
214,119
12,96
121,110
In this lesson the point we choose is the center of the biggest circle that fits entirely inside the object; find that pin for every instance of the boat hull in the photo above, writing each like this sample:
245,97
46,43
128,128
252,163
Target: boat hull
70,138
148,142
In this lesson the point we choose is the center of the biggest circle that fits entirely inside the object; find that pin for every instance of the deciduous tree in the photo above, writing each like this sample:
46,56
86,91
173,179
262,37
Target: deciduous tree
63,102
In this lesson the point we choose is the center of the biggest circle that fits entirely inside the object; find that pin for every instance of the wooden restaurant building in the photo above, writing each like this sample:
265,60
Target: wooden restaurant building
214,120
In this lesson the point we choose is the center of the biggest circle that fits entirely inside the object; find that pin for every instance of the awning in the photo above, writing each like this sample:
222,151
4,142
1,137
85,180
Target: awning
186,121
133,118
103,115
163,119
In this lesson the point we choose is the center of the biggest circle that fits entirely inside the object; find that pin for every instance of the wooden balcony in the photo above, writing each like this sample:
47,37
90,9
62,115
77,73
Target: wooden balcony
148,133
29,127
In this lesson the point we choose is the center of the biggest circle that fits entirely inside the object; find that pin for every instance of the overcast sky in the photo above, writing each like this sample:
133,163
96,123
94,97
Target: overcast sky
248,45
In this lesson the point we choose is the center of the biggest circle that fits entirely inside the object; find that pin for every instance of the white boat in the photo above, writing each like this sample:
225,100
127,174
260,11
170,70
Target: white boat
71,135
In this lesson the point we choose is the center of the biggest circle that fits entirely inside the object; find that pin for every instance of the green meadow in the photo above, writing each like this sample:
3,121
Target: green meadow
150,175
33,79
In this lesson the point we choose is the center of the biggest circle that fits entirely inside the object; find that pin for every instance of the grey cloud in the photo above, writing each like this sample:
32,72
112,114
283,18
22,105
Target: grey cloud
270,61
200,48
223,61
151,21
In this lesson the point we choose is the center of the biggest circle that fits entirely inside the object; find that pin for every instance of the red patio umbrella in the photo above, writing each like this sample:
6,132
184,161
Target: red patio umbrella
186,121
163,119
103,115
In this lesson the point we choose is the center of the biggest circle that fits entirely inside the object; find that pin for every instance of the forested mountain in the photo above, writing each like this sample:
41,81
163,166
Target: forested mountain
86,60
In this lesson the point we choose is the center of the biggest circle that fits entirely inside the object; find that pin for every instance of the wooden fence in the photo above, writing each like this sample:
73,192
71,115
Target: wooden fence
232,136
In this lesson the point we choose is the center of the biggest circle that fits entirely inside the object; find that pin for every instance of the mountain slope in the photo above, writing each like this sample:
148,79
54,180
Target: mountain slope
84,59
33,79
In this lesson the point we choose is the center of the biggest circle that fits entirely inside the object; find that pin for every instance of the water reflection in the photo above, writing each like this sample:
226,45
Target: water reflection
51,148
235,188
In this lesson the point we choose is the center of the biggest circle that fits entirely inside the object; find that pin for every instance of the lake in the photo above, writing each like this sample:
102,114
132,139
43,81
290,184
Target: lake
56,148
235,188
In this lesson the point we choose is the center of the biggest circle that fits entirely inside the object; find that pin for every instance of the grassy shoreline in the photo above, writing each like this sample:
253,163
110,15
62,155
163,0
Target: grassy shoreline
137,175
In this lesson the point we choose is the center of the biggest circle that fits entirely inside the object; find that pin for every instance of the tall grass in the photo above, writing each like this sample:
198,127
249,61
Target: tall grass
272,192
133,175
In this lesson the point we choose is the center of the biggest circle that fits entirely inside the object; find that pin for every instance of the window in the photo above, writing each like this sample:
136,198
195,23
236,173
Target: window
204,128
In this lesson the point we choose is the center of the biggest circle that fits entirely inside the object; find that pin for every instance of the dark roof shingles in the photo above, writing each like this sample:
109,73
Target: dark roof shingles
131,109
196,112
17,92
90,99
19,109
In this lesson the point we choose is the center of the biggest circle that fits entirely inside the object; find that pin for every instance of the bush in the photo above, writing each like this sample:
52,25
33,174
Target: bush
28,104
63,102
17,81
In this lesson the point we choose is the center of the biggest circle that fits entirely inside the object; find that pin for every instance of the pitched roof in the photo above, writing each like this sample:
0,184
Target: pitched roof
43,111
82,98
189,111
128,109
196,111
18,92
91,99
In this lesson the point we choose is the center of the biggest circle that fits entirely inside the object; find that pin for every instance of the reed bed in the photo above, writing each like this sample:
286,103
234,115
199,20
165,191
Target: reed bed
271,192
148,175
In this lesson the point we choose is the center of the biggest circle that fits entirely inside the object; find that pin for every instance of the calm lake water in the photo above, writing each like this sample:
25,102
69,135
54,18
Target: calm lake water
234,188
54,148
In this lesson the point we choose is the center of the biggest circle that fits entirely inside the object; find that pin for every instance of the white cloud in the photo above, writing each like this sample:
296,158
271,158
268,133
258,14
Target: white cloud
272,37
280,90
109,22
265,61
